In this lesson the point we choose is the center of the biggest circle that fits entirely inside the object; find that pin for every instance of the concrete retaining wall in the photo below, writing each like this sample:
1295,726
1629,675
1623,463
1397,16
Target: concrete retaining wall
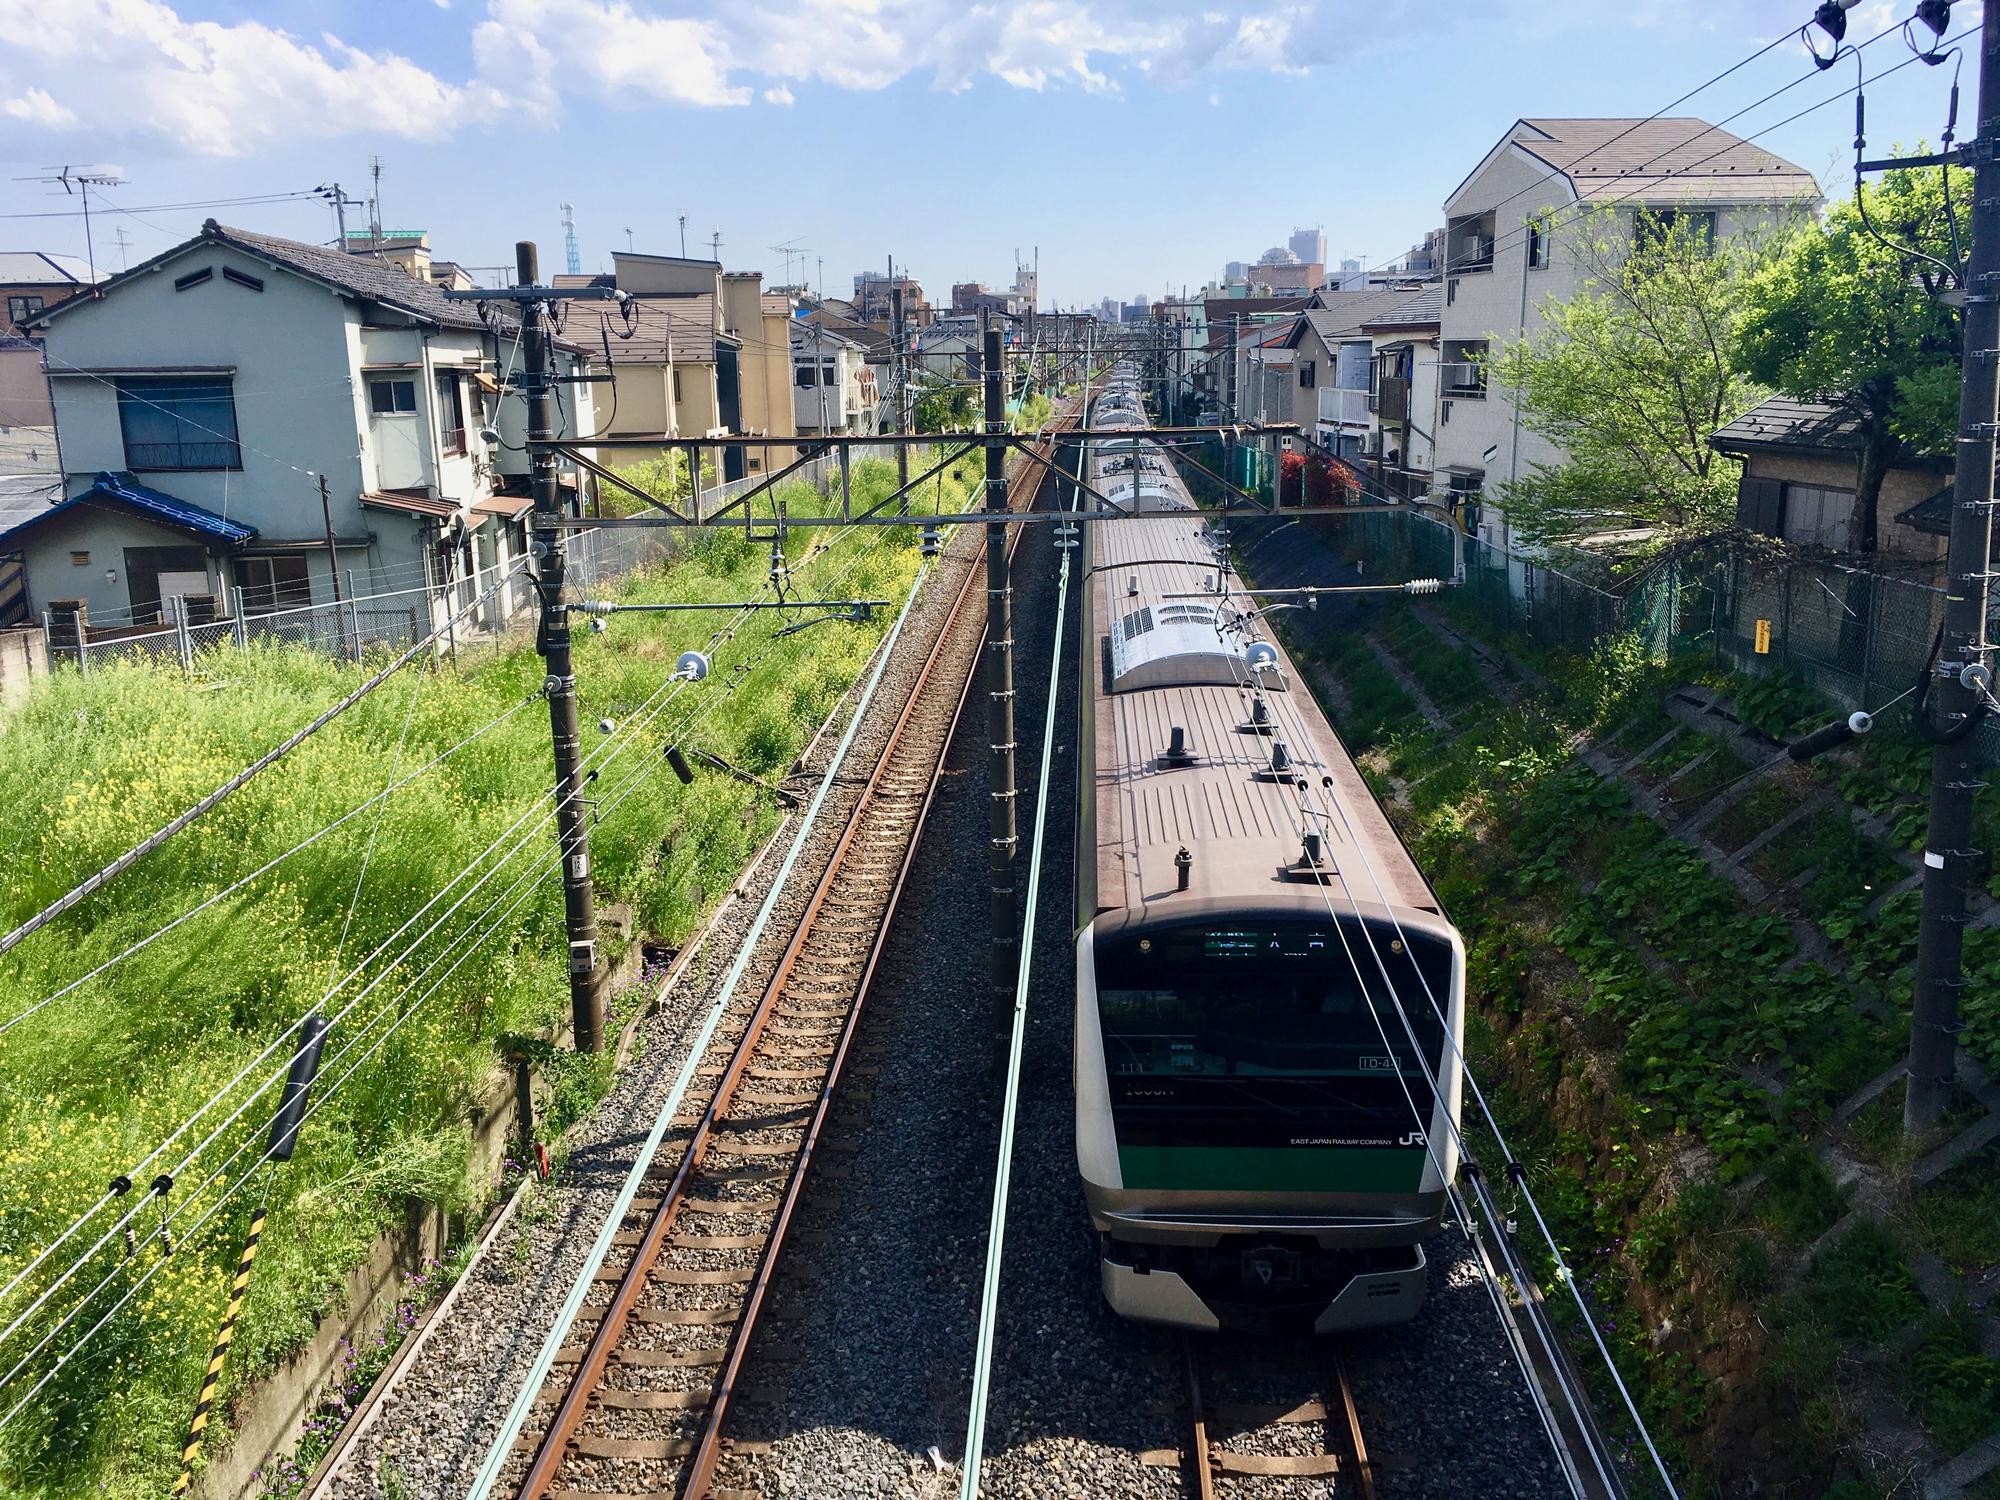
24,656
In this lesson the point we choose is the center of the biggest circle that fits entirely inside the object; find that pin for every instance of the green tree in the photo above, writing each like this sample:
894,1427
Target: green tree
1630,377
1850,313
942,407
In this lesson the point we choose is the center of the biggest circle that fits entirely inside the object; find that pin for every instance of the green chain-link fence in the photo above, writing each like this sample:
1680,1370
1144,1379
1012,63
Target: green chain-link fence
1857,638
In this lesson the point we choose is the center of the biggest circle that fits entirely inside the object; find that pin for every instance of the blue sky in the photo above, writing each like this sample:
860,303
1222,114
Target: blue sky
1139,144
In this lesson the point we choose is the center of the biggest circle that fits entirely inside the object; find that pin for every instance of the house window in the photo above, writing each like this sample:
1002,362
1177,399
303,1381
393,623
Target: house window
20,309
392,397
677,385
1465,369
451,413
1816,516
79,559
179,422
1306,375
805,378
1538,243
1655,226
273,583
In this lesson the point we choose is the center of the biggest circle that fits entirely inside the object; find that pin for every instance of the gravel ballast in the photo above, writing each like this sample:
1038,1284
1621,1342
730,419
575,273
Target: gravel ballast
876,1316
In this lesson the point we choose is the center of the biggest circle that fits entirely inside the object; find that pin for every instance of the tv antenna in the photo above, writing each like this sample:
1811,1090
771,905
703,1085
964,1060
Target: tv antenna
792,250
79,180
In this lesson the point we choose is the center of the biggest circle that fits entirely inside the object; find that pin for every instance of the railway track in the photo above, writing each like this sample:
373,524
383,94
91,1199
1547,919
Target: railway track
1235,1443
638,1399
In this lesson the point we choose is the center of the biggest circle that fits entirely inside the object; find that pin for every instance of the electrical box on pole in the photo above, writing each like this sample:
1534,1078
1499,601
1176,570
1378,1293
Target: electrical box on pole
1962,681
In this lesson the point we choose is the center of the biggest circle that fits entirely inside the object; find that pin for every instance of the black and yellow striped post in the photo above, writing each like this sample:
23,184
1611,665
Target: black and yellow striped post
284,1140
204,1403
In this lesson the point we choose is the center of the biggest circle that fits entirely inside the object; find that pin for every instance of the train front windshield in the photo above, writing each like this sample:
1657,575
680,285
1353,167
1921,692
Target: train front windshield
1253,1053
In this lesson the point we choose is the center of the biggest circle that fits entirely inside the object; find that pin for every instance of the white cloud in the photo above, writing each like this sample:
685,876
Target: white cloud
225,88
220,89
37,108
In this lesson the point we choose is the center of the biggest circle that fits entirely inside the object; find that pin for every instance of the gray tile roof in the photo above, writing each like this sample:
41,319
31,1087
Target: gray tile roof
1822,427
364,276
1678,159
1344,314
1421,309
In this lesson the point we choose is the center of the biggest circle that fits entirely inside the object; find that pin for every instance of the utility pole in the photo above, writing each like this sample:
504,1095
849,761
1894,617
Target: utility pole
900,374
1001,836
572,821
332,552
1963,666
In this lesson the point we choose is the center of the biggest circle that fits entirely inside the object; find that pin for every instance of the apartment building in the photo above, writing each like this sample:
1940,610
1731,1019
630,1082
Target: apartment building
1510,251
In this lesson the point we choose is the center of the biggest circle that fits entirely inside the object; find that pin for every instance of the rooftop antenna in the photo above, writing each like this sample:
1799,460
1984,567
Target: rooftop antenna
80,180
375,203
684,236
124,242
715,244
572,261
791,250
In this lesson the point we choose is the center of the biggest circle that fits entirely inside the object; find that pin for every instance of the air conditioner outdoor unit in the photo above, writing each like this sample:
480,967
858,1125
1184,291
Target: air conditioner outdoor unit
1464,376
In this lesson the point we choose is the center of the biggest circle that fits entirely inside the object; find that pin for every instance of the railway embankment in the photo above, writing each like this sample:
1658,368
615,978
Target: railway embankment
1690,970
106,1070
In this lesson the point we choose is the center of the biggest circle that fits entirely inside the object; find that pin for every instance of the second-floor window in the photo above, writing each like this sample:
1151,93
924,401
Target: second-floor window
1655,226
387,398
179,422
1306,376
1538,243
20,309
451,413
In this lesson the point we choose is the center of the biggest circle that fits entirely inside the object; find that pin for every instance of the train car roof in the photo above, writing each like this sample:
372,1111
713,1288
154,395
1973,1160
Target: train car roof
1171,655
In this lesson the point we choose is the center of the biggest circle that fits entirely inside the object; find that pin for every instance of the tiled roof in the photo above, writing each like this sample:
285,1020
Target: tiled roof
1804,427
365,276
121,491
1677,159
1421,309
1344,313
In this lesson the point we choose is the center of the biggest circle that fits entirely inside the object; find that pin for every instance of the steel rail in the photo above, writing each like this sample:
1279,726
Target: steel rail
600,1353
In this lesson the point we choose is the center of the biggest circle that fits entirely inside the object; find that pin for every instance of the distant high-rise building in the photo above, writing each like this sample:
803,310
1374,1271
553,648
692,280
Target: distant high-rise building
1236,270
1309,245
1026,286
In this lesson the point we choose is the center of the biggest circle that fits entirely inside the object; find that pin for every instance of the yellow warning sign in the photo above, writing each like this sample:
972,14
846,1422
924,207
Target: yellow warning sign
1763,637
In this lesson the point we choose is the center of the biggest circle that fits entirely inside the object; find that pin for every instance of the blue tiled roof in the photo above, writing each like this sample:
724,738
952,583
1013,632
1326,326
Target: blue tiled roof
126,493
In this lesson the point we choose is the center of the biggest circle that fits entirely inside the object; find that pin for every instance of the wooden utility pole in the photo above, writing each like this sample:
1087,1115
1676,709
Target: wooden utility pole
1002,839
1963,681
332,552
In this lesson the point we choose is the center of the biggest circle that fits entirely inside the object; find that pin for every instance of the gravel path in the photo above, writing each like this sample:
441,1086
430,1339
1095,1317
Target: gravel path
433,1431
874,1319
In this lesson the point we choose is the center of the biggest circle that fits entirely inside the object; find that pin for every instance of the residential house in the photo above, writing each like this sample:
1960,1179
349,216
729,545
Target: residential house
1235,325
1800,463
242,414
1513,228
1333,367
834,389
32,280
874,294
700,353
1403,390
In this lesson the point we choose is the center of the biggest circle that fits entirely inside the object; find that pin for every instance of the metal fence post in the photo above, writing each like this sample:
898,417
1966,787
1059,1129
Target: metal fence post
182,643
239,628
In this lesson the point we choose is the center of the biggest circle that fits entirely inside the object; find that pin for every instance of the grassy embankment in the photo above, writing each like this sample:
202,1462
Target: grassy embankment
91,1083
1668,1055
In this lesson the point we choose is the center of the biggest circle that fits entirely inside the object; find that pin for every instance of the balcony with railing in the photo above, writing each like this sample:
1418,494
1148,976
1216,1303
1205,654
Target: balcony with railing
1339,406
1392,398
1469,244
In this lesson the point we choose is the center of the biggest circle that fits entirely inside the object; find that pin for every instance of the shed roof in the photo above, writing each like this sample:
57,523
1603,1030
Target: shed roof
411,505
1783,424
683,320
120,491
